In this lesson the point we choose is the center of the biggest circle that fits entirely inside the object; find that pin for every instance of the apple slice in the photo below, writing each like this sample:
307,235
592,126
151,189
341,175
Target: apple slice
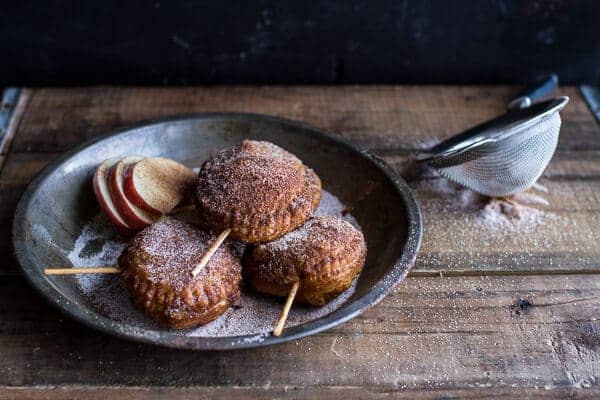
102,192
158,184
134,216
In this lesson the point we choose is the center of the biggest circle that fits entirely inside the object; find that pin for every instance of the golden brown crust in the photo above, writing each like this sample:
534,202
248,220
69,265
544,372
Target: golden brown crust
156,269
324,255
258,190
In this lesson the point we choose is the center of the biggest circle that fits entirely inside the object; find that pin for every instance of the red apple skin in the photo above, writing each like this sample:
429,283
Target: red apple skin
100,184
132,194
134,216
182,177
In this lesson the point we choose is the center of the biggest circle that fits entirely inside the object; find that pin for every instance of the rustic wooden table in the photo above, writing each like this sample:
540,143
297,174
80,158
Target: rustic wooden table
493,308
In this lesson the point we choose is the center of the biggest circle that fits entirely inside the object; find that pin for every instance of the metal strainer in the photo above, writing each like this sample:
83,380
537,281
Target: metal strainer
505,155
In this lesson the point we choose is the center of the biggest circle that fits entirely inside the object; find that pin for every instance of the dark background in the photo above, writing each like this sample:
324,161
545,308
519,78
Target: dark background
198,42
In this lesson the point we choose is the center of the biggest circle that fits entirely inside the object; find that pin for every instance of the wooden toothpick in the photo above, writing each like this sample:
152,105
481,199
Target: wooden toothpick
75,271
286,310
211,250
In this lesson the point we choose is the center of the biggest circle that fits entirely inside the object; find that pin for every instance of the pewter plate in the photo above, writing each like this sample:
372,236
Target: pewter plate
60,201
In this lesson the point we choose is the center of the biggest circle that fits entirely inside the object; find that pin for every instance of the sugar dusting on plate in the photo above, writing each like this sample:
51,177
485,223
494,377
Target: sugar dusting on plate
99,245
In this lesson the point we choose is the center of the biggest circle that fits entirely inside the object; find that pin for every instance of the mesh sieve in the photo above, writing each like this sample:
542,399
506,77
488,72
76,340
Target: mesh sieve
505,155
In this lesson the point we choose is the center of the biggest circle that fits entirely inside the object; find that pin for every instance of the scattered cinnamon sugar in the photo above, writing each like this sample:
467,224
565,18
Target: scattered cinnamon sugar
98,245
171,244
257,189
325,230
326,251
464,231
519,212
331,205
257,313
251,175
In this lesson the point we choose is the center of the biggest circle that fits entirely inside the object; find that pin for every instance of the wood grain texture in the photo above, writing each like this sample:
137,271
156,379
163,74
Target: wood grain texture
564,240
392,120
381,118
15,121
289,392
430,333
513,315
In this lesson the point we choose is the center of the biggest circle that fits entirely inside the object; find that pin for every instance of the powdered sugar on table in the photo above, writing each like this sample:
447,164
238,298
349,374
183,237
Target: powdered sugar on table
465,231
521,212
99,245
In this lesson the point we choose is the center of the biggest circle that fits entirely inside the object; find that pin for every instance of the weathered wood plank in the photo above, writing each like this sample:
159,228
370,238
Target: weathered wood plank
432,333
461,235
286,392
529,335
559,237
566,165
382,118
14,117
21,168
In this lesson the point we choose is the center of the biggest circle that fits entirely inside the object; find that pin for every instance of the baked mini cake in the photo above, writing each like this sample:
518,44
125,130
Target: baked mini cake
324,256
156,269
256,189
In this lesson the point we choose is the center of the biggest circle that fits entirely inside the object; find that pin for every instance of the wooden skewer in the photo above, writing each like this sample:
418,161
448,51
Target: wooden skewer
211,250
115,270
74,271
286,309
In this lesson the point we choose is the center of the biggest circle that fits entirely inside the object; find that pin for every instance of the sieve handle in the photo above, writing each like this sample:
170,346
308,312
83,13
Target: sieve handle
535,92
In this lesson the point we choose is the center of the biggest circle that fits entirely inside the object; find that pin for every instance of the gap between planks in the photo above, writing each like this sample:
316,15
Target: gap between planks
25,101
325,392
458,273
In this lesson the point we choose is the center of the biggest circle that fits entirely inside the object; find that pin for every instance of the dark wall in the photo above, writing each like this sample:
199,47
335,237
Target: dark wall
353,41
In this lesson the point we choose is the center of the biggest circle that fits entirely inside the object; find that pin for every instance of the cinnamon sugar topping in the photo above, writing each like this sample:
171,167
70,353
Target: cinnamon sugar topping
253,313
258,190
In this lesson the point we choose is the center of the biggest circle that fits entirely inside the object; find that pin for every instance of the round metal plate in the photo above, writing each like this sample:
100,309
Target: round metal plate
59,202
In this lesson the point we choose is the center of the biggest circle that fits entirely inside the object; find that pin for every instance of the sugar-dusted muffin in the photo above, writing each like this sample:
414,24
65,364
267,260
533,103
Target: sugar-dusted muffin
324,256
156,269
258,190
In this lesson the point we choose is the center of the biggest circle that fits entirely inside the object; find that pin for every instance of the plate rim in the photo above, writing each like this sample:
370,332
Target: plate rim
373,296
